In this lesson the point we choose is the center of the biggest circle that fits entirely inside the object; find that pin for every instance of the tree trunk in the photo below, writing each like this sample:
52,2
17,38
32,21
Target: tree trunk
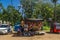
55,12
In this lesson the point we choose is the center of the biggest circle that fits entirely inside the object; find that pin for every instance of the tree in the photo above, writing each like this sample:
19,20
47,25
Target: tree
0,11
5,15
12,12
27,6
33,8
58,13
43,9
55,2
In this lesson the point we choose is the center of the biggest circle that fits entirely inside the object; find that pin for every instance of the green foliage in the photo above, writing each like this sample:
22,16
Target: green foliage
10,15
28,7
0,16
55,3
46,28
14,15
58,13
33,9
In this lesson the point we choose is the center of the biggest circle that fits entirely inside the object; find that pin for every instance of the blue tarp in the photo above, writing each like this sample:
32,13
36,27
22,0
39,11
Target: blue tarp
16,27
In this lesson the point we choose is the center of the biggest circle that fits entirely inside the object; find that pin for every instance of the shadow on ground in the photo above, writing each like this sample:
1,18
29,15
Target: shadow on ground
17,35
52,33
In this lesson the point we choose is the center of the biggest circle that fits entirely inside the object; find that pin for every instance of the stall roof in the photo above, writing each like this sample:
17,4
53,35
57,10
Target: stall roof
34,19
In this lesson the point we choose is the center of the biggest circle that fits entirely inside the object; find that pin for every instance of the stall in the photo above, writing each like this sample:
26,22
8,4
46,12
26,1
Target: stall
35,23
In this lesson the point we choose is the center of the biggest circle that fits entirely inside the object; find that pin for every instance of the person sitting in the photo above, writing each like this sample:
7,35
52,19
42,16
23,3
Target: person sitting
31,31
22,26
19,30
24,29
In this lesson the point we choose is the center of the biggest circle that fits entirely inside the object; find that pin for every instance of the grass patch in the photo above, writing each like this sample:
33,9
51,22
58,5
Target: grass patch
47,28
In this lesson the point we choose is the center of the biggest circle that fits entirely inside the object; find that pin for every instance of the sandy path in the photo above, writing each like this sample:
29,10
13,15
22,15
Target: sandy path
39,37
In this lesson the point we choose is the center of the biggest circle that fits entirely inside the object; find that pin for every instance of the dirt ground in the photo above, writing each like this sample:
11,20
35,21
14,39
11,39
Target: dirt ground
47,36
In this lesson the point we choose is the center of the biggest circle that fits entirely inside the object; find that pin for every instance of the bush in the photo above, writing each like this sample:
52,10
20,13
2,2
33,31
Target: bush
46,27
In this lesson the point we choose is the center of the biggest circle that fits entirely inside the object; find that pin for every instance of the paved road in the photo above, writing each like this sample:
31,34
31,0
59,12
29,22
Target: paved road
38,37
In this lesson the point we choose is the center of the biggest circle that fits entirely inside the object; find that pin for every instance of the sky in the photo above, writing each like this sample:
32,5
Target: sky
5,3
16,3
